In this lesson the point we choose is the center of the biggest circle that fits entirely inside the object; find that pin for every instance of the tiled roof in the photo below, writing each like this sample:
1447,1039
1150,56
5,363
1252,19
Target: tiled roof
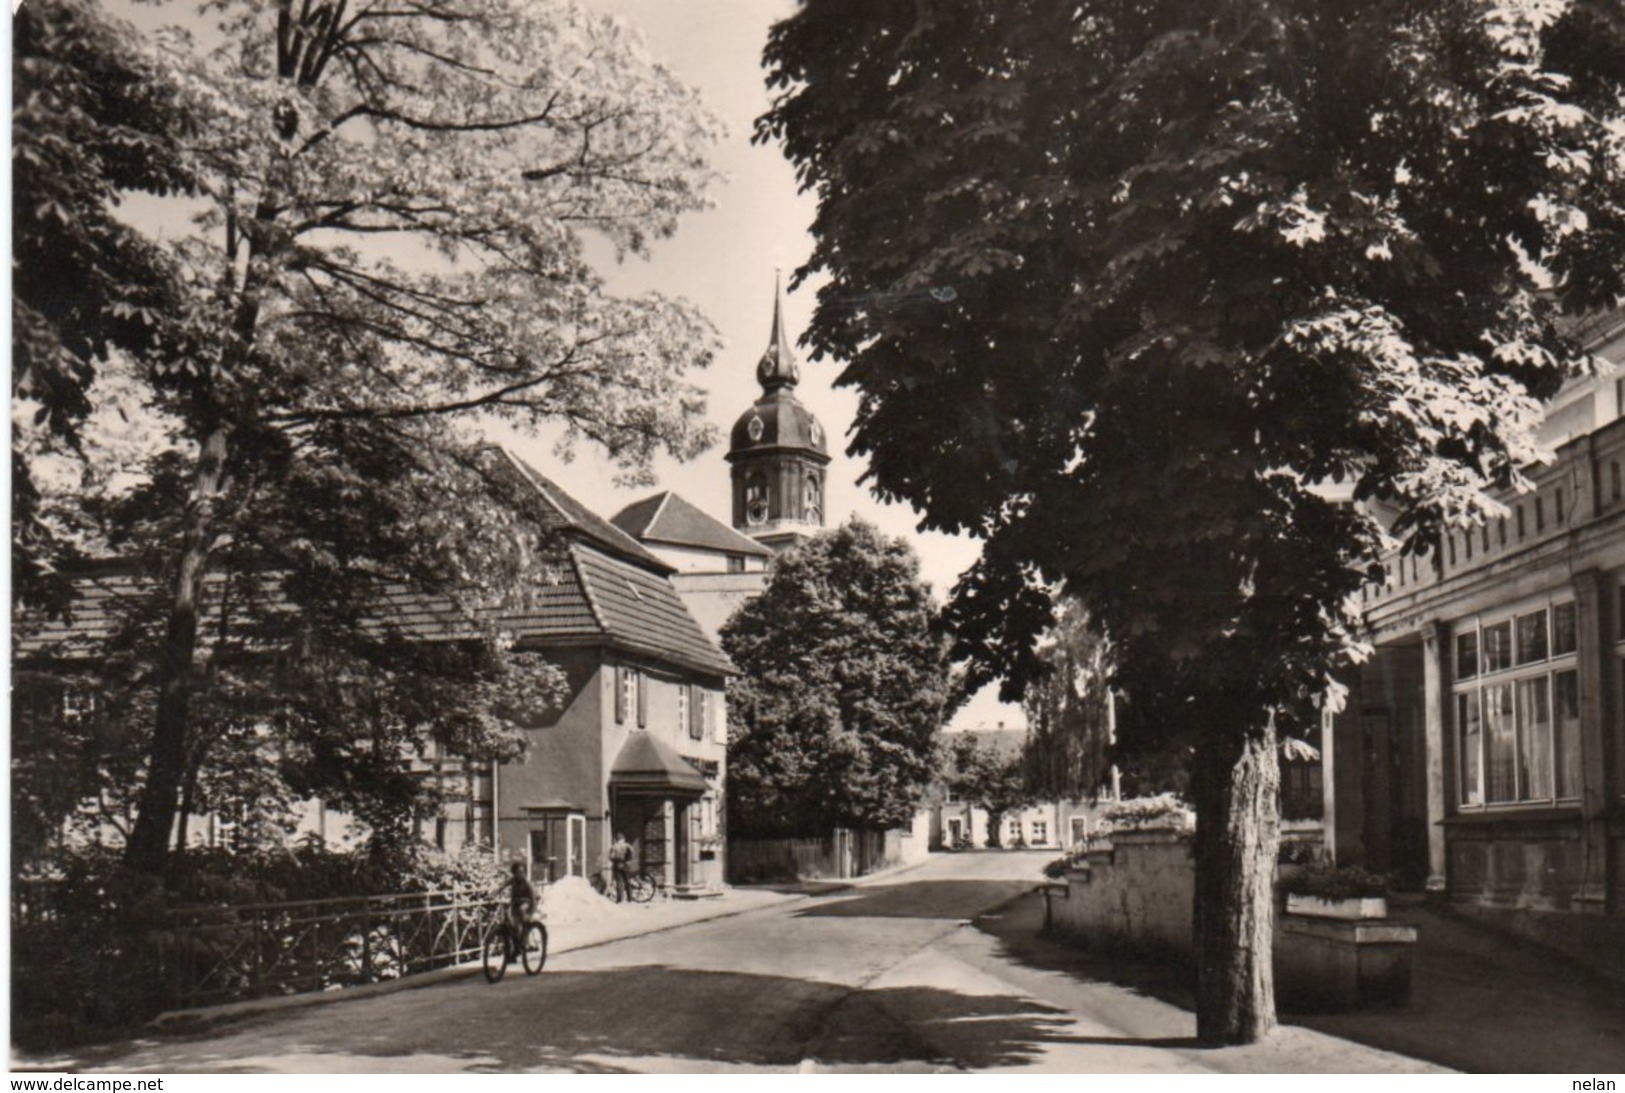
566,513
641,612
667,518
599,586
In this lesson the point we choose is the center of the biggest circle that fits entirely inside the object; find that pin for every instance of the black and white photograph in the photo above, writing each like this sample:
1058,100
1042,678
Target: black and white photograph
882,538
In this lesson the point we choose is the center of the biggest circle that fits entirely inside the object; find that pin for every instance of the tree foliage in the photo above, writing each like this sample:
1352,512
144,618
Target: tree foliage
1160,270
387,250
92,120
1069,745
845,683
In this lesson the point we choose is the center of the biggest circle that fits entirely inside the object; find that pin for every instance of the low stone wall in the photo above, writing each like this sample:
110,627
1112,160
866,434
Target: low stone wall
1137,894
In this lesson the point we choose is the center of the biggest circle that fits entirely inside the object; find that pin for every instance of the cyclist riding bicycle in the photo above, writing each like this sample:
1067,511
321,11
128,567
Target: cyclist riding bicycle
521,899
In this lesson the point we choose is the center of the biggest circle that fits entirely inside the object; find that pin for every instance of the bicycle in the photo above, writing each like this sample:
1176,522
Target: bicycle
640,886
498,948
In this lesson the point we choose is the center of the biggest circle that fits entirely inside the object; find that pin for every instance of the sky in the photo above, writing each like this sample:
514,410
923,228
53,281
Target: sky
724,260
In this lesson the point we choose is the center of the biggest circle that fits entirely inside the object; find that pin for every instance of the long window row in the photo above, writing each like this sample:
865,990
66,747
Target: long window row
1517,707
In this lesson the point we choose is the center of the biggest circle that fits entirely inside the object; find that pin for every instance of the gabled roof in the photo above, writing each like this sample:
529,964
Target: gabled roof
598,586
564,513
667,518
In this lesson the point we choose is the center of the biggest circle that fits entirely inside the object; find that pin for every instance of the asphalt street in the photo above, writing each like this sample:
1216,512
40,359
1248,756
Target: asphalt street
896,975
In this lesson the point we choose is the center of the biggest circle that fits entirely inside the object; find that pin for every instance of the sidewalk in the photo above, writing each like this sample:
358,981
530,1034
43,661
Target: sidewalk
611,923
1481,1000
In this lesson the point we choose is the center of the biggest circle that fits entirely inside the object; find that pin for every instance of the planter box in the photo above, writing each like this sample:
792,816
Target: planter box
1369,907
1326,964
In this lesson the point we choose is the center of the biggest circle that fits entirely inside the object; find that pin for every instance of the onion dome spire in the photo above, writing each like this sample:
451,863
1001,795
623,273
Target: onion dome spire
777,368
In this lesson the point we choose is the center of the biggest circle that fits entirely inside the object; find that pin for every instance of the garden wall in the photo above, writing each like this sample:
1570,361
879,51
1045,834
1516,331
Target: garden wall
1138,893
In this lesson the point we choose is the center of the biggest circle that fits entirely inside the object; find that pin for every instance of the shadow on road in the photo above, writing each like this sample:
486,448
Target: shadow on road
623,1019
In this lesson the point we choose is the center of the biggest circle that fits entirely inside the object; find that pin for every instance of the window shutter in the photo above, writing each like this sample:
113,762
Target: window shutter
696,717
643,701
620,695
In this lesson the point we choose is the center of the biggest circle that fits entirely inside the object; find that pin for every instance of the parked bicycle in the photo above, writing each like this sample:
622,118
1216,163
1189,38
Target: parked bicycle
503,941
640,886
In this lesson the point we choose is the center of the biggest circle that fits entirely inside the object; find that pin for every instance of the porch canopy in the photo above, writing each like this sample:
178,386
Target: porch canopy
649,765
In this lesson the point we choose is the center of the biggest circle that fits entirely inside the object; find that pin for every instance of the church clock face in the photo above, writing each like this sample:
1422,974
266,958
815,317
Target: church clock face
755,430
817,433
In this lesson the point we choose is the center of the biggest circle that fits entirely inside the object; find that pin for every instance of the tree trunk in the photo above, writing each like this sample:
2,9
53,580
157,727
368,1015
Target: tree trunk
147,850
994,820
1235,783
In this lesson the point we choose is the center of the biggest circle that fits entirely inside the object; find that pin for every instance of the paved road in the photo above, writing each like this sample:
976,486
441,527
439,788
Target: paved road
892,976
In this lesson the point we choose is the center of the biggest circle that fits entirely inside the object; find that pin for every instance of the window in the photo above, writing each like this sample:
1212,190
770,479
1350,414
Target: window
699,709
1467,654
1498,646
1532,637
1301,797
736,563
631,695
1564,635
685,716
1012,830
756,506
1517,722
1040,832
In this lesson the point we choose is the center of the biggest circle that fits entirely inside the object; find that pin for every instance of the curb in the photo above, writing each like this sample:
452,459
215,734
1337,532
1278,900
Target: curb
202,1019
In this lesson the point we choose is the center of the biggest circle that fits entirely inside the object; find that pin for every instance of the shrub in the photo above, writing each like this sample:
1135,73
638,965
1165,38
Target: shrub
94,945
1057,869
1162,812
1341,882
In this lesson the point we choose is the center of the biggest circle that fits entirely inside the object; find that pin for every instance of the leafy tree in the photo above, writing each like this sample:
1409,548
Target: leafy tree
987,778
1120,284
389,248
845,684
91,120
1069,744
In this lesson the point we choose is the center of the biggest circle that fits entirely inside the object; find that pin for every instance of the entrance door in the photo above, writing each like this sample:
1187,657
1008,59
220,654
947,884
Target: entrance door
578,846
558,847
956,828
682,872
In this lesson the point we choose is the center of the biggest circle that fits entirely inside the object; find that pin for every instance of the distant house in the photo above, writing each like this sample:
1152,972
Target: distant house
639,746
1061,823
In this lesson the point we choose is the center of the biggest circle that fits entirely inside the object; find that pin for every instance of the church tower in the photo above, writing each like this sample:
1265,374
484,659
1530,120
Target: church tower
778,453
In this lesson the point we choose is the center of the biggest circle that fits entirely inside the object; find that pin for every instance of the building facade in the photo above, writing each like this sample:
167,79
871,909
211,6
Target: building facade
1481,754
638,745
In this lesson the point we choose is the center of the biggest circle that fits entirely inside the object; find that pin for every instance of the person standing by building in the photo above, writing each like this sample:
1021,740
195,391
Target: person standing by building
620,866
